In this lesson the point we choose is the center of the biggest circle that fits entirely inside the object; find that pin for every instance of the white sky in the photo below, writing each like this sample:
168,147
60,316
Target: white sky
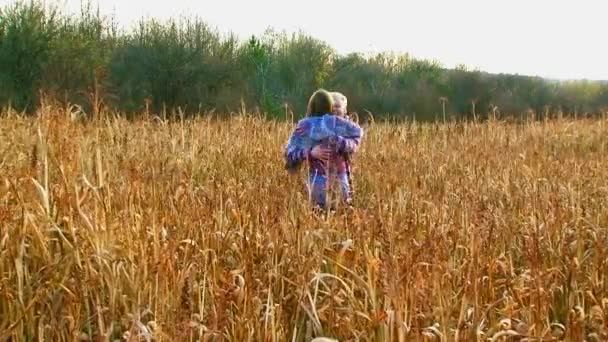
556,39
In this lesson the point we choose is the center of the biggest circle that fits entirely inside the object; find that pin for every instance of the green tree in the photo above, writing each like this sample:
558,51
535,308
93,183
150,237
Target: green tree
27,33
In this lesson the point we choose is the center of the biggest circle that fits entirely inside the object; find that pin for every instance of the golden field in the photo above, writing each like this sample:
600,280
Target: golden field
192,230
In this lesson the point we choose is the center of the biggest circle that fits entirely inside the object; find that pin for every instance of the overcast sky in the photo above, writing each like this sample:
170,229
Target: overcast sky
556,39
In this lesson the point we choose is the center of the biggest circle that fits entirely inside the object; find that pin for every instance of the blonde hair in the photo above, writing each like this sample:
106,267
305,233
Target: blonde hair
341,102
339,98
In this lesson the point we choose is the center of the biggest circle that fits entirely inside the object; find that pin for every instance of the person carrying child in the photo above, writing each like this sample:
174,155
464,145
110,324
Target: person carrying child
326,140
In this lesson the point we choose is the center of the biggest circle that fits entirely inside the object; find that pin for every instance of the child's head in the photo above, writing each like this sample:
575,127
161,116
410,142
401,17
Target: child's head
320,103
340,103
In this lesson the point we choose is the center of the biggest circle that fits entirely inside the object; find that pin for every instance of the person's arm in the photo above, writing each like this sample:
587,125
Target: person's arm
296,151
349,141
349,145
296,156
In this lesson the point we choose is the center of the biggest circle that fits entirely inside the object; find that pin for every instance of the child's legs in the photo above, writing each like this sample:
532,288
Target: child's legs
345,187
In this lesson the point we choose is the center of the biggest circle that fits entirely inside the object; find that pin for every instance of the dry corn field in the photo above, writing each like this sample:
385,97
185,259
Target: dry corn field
192,230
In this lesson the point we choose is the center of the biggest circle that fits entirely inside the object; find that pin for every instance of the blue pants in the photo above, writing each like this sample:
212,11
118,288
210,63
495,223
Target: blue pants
318,186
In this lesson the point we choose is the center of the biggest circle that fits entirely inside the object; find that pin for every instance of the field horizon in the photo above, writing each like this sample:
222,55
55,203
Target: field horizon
188,230
86,59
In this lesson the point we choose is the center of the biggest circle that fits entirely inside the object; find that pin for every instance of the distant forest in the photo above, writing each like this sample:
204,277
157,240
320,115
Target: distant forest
184,63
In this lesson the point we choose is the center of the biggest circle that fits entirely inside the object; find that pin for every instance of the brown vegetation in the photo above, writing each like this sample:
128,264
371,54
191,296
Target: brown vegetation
192,230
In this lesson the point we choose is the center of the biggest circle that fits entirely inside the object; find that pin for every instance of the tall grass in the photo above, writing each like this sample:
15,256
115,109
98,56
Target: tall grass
191,230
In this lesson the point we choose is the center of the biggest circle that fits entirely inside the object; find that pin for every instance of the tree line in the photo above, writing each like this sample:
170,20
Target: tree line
162,65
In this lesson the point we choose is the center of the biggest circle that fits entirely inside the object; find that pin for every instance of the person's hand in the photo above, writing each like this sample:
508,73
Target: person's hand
321,153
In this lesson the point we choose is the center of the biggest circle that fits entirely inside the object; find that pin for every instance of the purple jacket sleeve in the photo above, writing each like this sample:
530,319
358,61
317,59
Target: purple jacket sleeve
349,142
295,154
350,145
